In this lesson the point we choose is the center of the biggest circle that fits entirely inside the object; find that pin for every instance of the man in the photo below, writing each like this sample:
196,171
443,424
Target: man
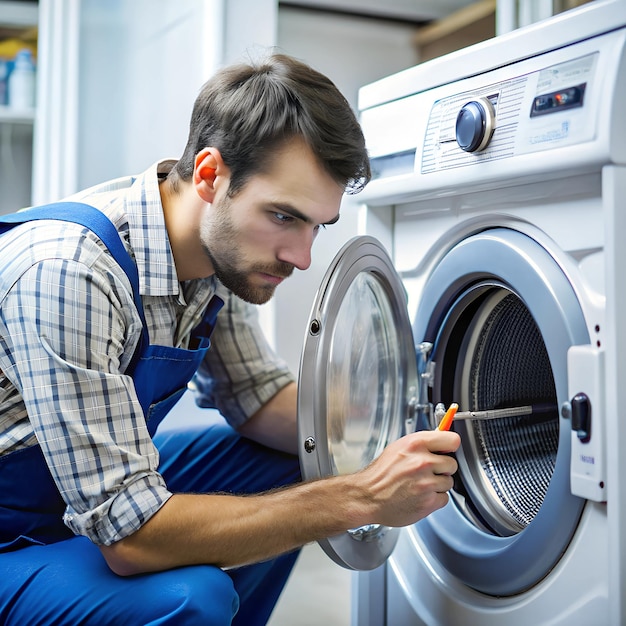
104,520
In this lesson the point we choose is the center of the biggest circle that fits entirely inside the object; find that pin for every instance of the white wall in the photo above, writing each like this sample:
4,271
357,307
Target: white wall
352,51
118,80
141,72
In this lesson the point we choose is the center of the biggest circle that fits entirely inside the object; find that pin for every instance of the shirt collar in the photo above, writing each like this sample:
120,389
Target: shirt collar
148,234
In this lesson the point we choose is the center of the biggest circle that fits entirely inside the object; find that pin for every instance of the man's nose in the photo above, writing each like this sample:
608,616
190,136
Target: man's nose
298,251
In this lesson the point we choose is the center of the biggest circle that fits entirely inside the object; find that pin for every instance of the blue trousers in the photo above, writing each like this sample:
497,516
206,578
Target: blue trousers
69,582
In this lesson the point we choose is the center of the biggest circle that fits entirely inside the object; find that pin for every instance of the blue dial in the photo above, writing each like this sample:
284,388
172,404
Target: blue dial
475,124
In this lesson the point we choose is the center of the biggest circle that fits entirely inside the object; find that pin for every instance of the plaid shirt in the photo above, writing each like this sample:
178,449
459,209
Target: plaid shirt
68,329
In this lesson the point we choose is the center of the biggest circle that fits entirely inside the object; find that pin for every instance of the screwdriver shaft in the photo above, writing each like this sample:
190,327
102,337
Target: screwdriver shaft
514,411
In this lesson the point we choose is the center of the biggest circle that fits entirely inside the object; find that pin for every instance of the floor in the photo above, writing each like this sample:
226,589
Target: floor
317,593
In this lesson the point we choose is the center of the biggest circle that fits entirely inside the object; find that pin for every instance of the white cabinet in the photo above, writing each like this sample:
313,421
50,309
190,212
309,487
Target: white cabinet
16,126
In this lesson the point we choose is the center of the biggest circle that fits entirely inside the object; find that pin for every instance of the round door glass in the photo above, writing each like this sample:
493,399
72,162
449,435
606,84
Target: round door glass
357,382
363,386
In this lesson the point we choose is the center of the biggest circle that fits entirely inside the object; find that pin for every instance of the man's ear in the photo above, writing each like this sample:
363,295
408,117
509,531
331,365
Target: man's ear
209,169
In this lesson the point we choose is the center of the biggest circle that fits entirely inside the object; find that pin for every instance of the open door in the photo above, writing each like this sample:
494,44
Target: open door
357,384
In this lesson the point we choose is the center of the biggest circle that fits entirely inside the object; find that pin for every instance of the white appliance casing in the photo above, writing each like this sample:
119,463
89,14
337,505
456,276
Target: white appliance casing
560,179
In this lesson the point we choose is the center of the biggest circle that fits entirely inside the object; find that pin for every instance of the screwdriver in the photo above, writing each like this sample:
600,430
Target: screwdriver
545,409
514,411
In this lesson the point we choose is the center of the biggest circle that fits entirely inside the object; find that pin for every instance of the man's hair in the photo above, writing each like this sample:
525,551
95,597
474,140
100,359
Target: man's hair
249,110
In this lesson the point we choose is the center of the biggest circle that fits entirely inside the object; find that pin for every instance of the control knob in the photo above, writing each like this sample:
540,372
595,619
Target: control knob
475,124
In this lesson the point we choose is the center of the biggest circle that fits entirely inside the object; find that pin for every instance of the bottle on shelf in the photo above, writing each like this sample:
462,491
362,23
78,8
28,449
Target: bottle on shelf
21,82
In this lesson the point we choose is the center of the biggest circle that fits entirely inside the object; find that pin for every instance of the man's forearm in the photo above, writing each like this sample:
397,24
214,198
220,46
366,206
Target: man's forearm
407,482
228,531
274,424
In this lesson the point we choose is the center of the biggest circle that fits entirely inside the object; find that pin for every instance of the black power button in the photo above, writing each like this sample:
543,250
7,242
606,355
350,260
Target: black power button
581,416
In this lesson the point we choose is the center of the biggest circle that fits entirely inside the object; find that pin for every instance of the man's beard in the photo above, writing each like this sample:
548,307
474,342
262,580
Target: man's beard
221,240
237,280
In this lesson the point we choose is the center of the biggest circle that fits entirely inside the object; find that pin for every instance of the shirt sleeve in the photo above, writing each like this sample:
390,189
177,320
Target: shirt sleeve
67,329
240,372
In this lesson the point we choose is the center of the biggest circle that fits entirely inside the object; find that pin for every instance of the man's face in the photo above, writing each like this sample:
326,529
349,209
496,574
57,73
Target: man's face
255,239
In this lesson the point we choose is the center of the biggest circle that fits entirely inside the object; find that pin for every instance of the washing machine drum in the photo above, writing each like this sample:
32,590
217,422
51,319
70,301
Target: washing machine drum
501,315
506,464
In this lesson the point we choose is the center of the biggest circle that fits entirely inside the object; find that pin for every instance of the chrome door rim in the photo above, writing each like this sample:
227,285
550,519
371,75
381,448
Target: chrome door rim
369,546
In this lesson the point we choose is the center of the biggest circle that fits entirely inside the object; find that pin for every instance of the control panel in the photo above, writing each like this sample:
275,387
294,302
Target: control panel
537,111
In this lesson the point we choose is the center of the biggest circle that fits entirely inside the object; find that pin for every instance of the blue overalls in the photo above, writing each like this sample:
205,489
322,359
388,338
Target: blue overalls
49,576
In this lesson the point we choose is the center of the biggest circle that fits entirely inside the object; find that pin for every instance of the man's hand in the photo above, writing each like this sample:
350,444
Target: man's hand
411,478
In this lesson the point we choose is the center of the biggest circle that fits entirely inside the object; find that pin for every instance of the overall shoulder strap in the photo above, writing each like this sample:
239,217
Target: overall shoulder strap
85,215
99,224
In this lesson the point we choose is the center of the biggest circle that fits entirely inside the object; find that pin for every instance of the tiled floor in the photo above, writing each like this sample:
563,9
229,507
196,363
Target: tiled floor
317,593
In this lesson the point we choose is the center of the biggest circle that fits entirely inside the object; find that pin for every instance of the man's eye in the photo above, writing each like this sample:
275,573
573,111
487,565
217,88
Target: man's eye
282,218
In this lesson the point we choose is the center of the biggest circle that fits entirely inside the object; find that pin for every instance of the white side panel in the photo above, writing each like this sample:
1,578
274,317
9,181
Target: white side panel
614,192
250,27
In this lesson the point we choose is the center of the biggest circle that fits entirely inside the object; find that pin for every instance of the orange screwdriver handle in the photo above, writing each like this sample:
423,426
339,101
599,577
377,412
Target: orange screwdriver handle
448,418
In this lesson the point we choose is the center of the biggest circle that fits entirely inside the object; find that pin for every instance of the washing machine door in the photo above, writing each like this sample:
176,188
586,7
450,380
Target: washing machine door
357,382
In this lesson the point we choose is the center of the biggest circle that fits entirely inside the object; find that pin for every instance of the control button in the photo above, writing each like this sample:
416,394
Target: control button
475,124
558,100
581,416
543,103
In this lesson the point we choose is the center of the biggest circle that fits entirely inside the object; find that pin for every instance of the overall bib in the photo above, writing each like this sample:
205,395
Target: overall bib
49,576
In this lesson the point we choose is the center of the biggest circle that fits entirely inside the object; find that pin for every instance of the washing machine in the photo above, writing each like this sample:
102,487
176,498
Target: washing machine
490,273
